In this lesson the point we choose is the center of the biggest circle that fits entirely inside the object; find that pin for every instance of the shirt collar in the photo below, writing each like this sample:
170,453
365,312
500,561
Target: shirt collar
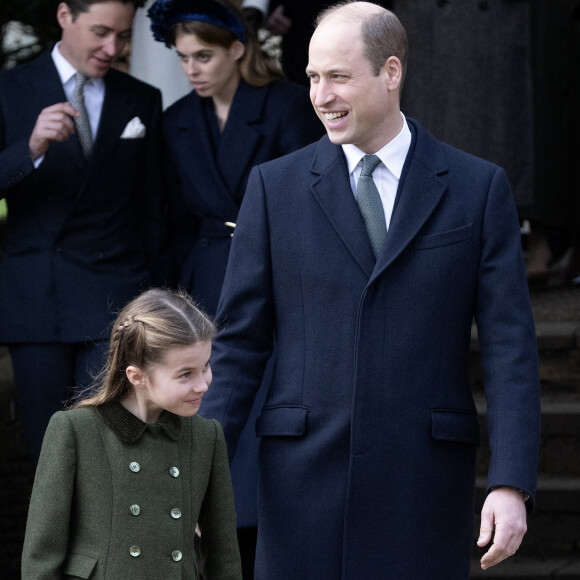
130,429
66,70
393,154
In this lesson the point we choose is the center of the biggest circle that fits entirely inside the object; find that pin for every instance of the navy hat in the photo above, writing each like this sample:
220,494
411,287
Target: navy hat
165,13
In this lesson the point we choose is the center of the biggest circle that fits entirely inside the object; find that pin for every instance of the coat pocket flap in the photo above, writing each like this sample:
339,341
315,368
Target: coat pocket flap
79,565
286,421
460,426
445,238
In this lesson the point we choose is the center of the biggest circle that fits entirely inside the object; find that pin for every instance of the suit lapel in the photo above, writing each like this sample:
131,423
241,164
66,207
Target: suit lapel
331,188
117,111
233,161
420,191
42,84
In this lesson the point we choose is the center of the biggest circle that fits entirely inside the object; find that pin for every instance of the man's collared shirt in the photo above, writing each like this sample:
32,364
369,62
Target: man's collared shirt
388,172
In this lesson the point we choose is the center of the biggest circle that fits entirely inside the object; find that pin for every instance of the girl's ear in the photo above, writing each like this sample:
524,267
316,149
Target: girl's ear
136,376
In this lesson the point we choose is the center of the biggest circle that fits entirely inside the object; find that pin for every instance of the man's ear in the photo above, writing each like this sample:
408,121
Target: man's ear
136,376
63,15
393,73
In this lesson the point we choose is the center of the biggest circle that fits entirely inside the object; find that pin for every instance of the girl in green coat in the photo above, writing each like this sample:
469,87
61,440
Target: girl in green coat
130,480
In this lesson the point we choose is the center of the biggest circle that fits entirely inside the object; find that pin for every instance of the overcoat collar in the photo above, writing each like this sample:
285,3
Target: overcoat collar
420,191
224,172
130,429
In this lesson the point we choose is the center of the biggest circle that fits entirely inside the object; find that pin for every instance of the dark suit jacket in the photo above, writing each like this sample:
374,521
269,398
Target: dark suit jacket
209,185
89,509
369,432
80,235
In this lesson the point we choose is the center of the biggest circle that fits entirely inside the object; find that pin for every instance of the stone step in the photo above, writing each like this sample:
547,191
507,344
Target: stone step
560,439
551,336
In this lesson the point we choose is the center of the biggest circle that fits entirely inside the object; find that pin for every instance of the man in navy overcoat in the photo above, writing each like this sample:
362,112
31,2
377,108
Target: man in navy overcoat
82,230
369,431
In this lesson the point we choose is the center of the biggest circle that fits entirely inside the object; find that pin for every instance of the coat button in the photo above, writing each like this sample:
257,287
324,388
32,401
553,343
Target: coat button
135,551
174,472
175,513
134,466
176,555
135,509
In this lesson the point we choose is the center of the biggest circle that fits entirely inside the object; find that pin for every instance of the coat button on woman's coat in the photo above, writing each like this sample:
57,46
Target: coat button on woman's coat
135,551
175,513
135,509
134,466
174,472
176,555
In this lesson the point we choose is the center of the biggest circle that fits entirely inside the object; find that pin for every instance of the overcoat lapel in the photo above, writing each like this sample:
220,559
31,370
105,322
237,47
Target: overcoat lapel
420,191
193,140
331,188
233,160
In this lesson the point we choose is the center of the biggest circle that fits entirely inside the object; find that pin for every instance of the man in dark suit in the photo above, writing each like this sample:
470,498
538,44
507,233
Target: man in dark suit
369,431
83,193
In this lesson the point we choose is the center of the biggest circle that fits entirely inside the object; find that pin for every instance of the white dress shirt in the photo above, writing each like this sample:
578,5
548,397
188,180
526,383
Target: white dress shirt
388,173
94,88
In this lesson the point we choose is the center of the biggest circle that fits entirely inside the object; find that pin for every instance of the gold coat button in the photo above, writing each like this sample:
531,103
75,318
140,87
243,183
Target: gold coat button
135,551
176,555
134,466
135,509
175,513
174,472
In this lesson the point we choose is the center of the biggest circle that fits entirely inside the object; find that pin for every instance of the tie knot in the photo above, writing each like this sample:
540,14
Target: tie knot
81,81
369,164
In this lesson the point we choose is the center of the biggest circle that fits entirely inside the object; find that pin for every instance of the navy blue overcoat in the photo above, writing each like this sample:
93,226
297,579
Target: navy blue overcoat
369,431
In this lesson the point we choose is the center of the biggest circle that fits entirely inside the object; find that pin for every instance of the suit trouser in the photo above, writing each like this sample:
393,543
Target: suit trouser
47,376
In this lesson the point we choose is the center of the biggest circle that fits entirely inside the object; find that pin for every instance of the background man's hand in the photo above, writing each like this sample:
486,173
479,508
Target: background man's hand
505,510
54,123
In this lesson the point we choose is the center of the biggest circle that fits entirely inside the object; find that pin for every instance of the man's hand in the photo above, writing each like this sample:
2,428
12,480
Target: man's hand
505,510
278,22
54,123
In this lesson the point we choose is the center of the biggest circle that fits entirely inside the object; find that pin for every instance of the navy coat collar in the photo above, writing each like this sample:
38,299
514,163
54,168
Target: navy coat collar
419,193
223,173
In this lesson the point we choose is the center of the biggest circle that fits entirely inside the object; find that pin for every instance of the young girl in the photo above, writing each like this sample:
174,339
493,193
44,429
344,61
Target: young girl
125,477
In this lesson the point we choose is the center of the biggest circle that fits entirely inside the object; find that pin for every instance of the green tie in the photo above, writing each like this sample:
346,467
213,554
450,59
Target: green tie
370,204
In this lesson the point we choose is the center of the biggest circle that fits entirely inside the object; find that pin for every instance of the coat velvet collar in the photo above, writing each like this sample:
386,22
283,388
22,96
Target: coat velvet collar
130,429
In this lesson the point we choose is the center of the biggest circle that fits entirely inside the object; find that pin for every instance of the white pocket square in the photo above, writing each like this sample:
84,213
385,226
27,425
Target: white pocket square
134,129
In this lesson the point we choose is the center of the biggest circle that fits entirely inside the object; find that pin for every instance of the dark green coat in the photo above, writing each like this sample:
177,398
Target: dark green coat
116,498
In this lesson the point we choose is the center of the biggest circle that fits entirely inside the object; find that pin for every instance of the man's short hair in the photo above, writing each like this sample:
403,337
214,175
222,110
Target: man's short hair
382,34
78,6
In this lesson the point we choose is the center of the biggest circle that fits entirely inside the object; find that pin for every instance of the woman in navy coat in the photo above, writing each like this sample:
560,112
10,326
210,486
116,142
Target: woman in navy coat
240,113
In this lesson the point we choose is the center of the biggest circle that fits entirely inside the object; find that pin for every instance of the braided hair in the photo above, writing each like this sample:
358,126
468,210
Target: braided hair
144,331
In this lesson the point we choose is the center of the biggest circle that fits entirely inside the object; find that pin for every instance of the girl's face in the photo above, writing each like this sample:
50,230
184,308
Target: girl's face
211,69
178,383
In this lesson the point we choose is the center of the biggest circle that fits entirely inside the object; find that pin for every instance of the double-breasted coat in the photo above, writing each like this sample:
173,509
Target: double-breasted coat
210,175
369,431
210,172
81,236
116,498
